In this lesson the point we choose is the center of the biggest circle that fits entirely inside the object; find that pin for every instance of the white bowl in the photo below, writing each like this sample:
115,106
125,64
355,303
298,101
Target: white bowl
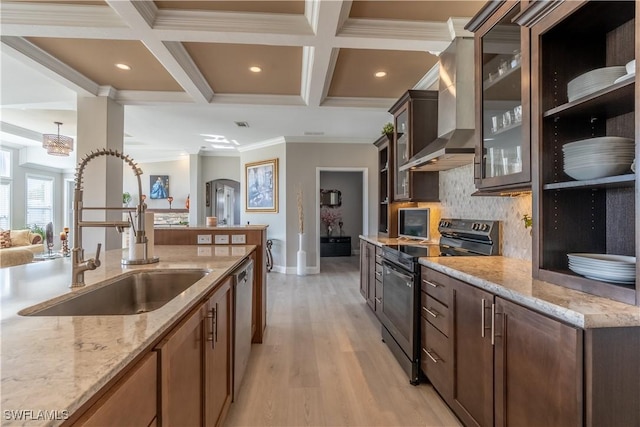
631,67
604,140
596,171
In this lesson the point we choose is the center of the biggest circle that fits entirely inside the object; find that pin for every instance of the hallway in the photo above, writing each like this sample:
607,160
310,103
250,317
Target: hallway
323,362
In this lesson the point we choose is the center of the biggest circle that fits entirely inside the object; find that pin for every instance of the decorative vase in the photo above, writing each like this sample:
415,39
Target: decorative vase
329,230
302,257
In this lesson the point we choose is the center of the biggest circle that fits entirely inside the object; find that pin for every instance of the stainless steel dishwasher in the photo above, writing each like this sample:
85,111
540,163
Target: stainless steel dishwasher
242,309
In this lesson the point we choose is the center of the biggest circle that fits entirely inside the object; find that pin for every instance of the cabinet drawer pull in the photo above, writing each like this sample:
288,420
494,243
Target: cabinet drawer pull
378,259
378,300
434,359
432,284
211,335
432,312
378,273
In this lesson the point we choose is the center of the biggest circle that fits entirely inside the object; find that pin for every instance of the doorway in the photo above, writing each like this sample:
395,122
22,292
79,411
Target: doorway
347,208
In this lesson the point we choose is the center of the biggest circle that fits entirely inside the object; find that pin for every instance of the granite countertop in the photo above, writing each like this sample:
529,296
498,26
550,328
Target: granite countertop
384,241
512,279
221,227
58,363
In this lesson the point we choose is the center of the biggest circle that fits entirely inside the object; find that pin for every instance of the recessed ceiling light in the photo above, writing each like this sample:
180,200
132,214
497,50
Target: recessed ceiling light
123,66
380,74
255,69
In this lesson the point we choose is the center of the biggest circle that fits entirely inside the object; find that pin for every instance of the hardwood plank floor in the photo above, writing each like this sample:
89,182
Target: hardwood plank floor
322,362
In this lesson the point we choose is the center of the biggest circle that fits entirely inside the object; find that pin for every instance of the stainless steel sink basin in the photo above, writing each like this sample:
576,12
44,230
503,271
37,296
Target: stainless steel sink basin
135,293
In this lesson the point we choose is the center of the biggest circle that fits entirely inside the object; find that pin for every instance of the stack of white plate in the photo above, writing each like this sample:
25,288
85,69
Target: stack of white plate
598,157
608,268
593,81
630,67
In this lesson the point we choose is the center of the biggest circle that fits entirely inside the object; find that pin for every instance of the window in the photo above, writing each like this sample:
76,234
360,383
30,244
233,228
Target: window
5,189
39,200
5,164
5,205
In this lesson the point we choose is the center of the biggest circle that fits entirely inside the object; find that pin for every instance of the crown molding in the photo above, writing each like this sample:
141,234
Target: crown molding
266,143
108,91
58,15
49,65
457,27
318,139
147,10
430,80
247,99
376,103
404,30
141,97
20,132
232,22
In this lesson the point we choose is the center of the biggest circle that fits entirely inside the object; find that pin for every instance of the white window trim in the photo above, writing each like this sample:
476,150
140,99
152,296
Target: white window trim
53,198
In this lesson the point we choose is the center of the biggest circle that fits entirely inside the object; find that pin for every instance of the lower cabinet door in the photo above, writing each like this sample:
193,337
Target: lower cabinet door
218,355
132,401
473,355
538,364
181,373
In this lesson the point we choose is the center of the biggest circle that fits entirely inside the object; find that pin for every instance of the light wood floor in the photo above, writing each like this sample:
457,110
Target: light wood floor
323,363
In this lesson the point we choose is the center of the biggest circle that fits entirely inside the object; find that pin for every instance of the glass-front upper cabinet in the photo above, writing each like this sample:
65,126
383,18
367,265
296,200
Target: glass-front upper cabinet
402,154
503,152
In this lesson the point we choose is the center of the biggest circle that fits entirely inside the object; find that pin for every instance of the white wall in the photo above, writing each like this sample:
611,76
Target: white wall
277,222
302,161
220,167
350,186
179,185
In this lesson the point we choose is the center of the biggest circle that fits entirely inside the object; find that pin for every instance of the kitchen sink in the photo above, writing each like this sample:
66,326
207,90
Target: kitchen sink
139,292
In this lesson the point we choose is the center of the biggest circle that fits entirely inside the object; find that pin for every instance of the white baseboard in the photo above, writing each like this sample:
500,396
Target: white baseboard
279,269
310,270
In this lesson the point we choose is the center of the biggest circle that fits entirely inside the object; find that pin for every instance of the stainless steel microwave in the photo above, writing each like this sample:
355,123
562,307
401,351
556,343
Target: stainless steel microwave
413,223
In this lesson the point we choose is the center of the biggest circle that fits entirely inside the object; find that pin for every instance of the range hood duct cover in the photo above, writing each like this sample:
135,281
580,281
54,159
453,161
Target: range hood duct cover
455,145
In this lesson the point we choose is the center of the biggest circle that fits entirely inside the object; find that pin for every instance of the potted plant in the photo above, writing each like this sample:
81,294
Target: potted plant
126,198
388,130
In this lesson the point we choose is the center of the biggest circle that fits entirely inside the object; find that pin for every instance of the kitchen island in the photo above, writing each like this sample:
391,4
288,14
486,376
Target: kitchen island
61,364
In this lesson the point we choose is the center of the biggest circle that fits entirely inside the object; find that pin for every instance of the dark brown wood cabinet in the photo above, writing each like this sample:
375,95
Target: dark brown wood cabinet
415,117
502,160
510,366
538,369
597,215
387,212
370,274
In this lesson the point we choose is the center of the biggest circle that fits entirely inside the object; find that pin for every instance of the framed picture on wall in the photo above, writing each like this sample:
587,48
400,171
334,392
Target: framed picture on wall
159,185
261,181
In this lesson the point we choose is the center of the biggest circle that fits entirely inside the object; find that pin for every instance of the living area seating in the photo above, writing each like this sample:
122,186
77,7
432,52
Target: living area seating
18,247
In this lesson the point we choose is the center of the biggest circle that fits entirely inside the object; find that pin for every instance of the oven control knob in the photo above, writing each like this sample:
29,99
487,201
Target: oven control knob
445,224
475,226
485,227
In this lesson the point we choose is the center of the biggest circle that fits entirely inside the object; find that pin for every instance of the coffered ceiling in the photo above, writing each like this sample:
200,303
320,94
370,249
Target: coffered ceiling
190,66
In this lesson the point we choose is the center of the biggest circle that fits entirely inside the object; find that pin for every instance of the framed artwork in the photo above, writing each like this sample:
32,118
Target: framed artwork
261,181
159,186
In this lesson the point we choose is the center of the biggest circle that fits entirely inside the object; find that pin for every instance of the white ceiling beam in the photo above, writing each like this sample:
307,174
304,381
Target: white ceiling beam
173,57
48,65
320,60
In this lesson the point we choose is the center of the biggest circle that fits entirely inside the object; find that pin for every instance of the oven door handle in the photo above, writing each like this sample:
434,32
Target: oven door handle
390,269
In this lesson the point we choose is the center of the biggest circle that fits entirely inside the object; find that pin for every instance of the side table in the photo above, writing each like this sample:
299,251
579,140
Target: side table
335,246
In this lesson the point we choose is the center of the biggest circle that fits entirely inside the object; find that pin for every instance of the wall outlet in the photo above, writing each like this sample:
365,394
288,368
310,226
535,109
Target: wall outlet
206,251
204,239
238,239
222,239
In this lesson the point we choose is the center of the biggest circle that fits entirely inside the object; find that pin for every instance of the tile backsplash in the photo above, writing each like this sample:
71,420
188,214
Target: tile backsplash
456,187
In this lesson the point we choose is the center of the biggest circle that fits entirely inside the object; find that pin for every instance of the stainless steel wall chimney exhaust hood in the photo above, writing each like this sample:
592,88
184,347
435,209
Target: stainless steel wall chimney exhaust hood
455,145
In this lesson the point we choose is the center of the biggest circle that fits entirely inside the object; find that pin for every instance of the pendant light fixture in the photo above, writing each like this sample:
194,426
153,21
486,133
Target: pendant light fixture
57,145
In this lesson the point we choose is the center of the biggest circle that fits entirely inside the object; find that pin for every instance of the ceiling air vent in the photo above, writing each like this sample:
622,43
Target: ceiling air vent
242,124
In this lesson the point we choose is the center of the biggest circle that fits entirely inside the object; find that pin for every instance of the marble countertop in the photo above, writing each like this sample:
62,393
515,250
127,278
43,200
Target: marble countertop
512,279
58,363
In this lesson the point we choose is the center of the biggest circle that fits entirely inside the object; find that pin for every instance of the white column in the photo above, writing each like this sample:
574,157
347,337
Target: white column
101,125
196,209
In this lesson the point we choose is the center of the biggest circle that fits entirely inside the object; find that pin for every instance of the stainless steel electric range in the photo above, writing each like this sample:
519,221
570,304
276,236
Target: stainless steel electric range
400,315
